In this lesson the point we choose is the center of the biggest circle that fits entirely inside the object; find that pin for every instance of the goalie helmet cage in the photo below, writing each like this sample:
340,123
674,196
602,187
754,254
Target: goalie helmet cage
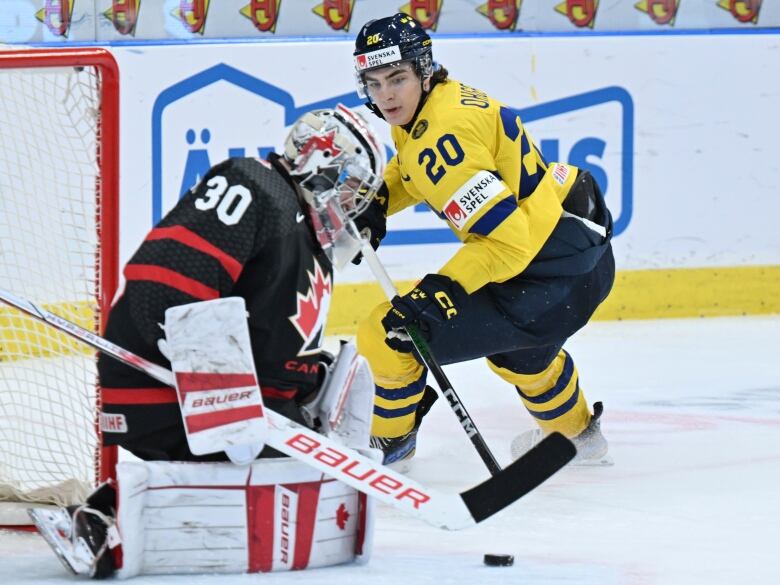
59,158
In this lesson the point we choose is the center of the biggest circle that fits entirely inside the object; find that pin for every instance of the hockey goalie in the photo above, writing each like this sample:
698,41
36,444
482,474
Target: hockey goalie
231,290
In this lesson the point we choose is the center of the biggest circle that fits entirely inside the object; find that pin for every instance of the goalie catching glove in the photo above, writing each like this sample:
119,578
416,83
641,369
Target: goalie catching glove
435,299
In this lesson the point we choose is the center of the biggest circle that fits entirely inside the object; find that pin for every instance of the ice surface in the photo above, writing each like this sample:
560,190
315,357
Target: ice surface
693,418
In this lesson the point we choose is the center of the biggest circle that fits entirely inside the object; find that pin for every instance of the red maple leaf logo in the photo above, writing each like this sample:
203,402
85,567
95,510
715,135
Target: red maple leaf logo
312,310
321,142
342,516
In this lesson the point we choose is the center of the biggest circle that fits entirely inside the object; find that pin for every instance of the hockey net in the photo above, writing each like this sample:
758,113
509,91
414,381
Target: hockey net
58,248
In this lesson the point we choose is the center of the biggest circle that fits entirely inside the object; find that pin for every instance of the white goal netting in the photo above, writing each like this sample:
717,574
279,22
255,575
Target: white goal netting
50,253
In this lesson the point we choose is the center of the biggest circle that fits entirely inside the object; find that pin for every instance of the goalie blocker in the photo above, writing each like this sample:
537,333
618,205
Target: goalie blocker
174,518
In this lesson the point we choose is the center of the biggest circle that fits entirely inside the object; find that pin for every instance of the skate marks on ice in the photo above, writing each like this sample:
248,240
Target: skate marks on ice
767,399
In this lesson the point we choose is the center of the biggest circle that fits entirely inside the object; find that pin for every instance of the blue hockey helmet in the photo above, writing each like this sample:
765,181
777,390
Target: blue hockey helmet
391,41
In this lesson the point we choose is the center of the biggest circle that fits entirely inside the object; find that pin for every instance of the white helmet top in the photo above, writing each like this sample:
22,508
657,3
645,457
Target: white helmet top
336,149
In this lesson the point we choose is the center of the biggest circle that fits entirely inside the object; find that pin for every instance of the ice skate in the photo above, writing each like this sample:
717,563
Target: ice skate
78,535
592,447
81,535
396,449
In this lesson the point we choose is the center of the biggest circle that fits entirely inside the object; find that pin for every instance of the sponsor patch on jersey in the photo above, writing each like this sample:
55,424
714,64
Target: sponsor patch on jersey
560,173
420,129
113,423
379,57
473,195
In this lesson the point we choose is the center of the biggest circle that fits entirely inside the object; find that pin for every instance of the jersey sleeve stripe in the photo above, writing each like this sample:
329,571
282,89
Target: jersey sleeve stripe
509,123
150,273
528,182
189,238
494,216
269,392
138,396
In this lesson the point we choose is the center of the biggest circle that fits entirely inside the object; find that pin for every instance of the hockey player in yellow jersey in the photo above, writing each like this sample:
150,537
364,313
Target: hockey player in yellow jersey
535,259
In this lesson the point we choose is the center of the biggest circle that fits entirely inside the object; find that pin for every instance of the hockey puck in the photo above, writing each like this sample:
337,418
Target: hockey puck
499,560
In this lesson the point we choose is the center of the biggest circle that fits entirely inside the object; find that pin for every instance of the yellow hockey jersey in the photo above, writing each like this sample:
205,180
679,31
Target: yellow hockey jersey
469,158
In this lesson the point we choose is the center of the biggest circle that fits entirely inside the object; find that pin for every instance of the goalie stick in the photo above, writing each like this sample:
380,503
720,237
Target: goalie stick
445,386
449,511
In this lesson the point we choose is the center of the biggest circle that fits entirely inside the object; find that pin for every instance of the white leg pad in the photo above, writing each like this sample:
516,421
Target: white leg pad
275,515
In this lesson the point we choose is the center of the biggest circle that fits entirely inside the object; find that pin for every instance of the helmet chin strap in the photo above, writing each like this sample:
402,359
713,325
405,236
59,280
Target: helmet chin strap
420,104
374,109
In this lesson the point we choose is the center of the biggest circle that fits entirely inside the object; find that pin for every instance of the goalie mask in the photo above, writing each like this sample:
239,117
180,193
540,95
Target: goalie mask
338,162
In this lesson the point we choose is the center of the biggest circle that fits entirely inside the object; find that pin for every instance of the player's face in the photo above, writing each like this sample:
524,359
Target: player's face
396,91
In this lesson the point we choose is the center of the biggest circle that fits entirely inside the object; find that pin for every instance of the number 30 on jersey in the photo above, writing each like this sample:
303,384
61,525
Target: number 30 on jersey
231,202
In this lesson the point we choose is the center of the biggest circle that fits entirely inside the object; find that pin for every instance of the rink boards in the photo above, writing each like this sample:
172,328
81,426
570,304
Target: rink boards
679,130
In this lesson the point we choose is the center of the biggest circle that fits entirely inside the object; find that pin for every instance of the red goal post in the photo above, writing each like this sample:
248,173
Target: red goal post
59,189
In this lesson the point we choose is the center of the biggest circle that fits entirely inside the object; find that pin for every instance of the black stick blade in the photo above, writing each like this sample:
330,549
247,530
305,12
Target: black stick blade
522,476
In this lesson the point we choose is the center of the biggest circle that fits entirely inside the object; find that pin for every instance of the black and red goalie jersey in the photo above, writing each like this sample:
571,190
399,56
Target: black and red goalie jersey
242,231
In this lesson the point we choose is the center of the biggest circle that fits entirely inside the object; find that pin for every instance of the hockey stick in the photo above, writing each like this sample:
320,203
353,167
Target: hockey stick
445,386
443,510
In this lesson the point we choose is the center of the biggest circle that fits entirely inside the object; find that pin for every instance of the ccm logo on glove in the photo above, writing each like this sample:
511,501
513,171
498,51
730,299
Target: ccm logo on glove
434,300
446,304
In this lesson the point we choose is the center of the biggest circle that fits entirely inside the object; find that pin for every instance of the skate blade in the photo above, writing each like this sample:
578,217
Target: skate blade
55,526
603,461
403,466
521,445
